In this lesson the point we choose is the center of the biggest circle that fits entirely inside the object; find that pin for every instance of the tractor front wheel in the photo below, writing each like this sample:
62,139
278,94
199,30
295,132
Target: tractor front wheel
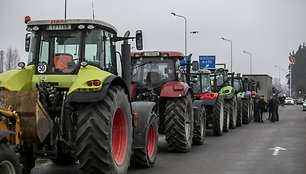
200,128
246,112
239,114
233,113
146,157
179,123
226,117
9,162
104,134
218,116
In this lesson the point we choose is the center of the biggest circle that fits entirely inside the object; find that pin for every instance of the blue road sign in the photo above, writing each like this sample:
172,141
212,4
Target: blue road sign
207,61
184,61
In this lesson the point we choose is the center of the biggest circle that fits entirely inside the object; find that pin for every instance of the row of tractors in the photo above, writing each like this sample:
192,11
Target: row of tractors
70,105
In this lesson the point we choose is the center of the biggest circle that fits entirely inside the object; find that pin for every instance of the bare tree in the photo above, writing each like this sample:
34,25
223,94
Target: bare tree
11,59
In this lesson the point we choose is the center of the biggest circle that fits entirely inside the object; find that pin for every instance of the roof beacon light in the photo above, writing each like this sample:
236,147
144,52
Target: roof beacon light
27,19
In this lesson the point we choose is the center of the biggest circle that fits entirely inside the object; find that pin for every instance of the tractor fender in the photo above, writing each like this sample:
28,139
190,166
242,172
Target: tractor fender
143,110
171,89
209,98
4,133
96,96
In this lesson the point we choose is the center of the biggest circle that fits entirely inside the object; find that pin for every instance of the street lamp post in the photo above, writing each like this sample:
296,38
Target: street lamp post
231,51
250,60
174,14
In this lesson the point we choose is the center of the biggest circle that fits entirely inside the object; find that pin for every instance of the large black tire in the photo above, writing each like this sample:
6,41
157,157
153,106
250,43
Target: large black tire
199,130
146,157
104,134
179,124
9,161
239,114
227,108
246,112
233,113
218,116
252,111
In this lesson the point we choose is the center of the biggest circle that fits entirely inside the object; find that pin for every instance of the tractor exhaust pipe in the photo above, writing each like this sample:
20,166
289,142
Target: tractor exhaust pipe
126,61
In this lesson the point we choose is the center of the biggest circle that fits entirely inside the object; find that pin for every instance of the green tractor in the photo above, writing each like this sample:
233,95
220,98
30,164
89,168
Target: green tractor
243,98
223,84
69,104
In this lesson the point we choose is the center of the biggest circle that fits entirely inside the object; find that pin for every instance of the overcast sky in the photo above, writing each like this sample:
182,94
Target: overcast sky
269,29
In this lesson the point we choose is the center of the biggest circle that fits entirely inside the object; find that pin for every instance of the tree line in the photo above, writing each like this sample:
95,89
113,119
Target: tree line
9,59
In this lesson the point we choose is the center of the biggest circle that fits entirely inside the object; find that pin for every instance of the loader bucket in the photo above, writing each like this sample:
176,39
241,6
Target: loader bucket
35,122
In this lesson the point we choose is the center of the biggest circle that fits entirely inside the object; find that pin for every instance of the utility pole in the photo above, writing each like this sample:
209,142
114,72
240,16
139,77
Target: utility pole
1,60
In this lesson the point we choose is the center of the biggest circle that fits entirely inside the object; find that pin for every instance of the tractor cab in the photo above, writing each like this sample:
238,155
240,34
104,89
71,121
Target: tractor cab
154,69
238,85
219,78
59,46
200,82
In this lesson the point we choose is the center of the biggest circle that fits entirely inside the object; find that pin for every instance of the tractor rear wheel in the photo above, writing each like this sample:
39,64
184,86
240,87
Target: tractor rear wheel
218,116
9,161
179,123
104,134
146,157
239,114
246,112
200,128
226,117
233,113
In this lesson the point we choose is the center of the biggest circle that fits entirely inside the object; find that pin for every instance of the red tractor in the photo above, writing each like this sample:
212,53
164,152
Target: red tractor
157,76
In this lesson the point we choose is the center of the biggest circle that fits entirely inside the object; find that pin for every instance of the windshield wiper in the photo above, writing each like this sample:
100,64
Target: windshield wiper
142,65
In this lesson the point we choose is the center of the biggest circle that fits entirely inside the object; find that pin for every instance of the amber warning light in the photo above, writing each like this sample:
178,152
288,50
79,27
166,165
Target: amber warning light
27,19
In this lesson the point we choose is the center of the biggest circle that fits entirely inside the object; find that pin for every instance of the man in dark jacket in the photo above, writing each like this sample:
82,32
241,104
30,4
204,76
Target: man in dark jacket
256,109
277,103
272,109
262,105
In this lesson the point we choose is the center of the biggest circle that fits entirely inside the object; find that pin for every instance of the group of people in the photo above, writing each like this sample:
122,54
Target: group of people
260,106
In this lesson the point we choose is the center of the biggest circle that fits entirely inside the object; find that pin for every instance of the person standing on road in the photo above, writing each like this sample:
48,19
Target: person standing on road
277,103
272,110
256,109
262,104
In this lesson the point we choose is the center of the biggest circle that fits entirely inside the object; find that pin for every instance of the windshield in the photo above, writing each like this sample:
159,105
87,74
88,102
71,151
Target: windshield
59,51
200,83
237,84
152,72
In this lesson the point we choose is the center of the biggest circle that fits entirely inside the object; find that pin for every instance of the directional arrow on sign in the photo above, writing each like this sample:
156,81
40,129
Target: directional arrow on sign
276,150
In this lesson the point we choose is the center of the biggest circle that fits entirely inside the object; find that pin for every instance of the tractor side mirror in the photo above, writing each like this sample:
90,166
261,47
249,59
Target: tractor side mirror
27,42
139,42
195,65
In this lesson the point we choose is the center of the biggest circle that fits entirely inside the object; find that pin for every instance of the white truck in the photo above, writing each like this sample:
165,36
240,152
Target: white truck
265,84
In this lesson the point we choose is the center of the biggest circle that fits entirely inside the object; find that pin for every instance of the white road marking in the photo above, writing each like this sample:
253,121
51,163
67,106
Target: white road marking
276,150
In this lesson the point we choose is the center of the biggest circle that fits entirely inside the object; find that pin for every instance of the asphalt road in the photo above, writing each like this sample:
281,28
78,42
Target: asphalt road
244,150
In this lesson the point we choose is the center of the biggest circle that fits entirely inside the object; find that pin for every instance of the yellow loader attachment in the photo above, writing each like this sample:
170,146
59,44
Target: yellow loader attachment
27,117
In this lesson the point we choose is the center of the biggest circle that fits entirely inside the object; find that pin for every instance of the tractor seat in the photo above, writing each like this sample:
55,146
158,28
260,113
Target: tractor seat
153,77
61,62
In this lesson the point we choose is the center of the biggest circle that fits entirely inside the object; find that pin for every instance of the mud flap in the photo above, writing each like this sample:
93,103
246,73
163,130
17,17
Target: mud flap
143,110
